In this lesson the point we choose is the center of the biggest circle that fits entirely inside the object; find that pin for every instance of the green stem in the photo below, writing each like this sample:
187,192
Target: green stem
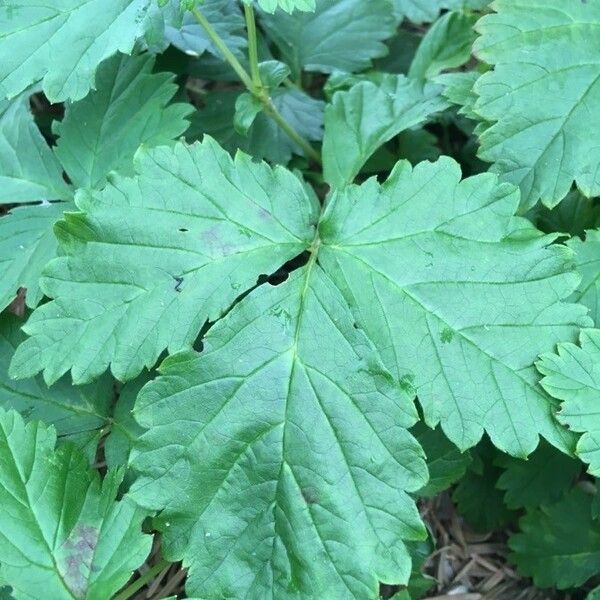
142,581
253,83
252,47
225,51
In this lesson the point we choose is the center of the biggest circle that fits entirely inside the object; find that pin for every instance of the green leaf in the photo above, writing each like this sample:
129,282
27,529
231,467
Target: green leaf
265,139
587,258
446,464
103,131
286,5
280,459
77,413
29,171
559,545
594,594
447,44
27,243
574,215
573,376
341,35
458,89
360,120
61,46
552,55
542,479
62,534
426,11
179,263
436,271
477,497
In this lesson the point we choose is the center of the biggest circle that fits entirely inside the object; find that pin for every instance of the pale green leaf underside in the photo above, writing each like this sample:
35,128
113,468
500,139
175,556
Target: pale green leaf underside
550,51
29,172
341,35
77,413
452,304
559,545
61,44
62,535
280,454
587,257
287,5
102,132
360,120
426,11
27,243
573,376
154,257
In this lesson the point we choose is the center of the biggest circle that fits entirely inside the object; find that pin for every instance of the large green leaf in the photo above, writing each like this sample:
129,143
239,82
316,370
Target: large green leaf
62,534
103,131
559,545
29,171
437,271
359,121
77,413
341,35
154,257
279,456
587,257
27,243
573,376
62,44
550,53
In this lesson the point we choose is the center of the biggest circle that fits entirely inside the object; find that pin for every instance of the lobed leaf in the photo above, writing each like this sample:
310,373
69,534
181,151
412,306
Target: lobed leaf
551,52
62,534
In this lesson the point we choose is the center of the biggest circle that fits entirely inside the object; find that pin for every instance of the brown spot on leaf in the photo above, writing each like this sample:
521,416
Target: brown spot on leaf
310,495
17,306
78,553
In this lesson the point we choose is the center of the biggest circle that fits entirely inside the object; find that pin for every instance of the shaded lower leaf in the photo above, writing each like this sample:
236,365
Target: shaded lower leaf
62,534
559,545
280,459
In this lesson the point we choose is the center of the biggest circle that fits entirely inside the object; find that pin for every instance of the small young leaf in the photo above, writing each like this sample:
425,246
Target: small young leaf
61,45
447,44
103,131
360,120
559,545
29,171
155,256
436,271
27,243
547,53
62,534
573,376
280,459
458,89
286,5
341,35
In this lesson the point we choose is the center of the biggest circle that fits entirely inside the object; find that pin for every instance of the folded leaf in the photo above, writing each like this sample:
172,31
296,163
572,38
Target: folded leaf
62,45
559,545
103,131
551,54
29,171
279,456
62,534
156,256
436,271
573,376
359,121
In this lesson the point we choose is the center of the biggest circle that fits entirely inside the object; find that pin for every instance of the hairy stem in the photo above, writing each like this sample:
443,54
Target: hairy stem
252,46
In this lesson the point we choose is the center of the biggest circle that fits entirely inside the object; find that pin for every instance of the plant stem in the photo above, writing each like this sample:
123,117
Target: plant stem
142,581
225,51
252,47
253,83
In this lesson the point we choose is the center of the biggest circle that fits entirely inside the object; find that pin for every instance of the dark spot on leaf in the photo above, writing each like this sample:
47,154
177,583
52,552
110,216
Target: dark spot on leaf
310,495
447,335
407,383
355,325
183,229
78,555
179,281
